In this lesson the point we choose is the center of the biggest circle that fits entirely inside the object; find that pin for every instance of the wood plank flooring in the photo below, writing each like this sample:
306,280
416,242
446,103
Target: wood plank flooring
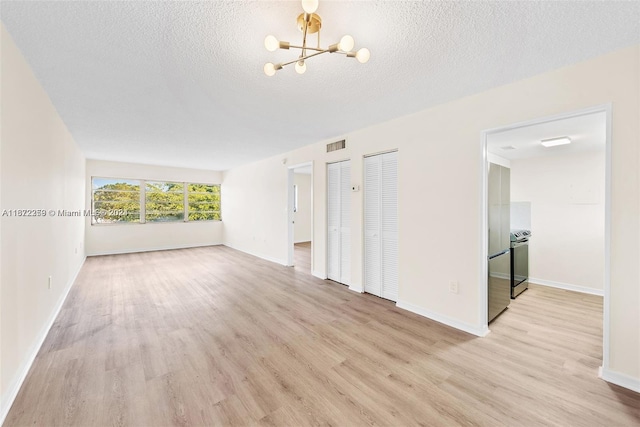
302,257
212,336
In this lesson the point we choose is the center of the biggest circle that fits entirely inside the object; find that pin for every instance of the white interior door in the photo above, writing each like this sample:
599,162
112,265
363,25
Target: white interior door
372,253
339,221
389,225
333,221
381,225
345,222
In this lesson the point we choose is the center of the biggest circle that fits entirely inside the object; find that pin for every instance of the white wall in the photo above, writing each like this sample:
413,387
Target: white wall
302,218
120,238
254,200
567,217
41,168
440,199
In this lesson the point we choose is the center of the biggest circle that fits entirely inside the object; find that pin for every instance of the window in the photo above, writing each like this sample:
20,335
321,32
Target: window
204,202
117,200
164,201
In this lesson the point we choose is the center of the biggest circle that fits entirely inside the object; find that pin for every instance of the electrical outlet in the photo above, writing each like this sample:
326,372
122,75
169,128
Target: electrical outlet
49,285
453,287
76,251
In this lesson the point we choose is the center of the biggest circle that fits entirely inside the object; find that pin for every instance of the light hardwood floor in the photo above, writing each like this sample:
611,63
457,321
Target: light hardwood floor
302,257
211,336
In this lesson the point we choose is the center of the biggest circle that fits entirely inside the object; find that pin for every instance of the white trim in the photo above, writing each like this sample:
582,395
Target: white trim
159,248
479,331
257,255
483,218
319,275
378,153
606,322
561,116
357,289
494,158
290,214
566,286
620,379
607,109
14,387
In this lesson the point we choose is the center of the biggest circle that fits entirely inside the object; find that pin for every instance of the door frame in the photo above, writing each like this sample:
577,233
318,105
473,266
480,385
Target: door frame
483,309
290,213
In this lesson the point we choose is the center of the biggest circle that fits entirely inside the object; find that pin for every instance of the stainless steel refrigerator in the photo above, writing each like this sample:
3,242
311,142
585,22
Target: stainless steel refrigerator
499,242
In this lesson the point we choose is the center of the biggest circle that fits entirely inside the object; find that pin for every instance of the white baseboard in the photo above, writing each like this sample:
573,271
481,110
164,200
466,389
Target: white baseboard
159,248
566,286
14,387
319,275
617,378
257,255
357,289
454,323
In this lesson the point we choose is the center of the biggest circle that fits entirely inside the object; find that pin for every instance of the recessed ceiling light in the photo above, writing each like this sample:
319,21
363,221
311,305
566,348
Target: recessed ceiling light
556,141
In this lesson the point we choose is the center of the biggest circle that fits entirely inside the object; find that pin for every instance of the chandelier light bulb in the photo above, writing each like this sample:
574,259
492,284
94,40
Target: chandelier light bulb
301,67
271,43
363,55
269,69
346,43
310,6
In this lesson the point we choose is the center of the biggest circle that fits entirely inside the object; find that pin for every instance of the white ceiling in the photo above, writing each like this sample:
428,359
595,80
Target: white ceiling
181,83
587,133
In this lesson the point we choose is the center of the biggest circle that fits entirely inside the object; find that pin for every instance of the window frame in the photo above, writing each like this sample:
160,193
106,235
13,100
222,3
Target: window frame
141,212
187,192
146,200
143,199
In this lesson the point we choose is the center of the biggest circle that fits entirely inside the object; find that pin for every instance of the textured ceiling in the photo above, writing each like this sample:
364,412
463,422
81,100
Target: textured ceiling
181,83
587,133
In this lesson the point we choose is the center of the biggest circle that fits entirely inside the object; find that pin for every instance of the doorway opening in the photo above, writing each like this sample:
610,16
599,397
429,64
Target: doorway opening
300,217
572,186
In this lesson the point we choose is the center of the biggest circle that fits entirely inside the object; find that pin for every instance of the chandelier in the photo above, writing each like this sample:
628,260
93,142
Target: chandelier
310,23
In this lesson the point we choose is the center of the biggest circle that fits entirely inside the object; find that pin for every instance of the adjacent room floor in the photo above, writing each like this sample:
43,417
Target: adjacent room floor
212,336
302,257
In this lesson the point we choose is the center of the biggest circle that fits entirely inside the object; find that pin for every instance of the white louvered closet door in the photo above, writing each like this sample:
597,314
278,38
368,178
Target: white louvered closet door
381,225
333,221
345,222
372,254
339,221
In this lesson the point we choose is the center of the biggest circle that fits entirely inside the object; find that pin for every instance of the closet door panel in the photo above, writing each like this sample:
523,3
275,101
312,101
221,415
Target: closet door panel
333,221
372,249
389,225
345,222
381,225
